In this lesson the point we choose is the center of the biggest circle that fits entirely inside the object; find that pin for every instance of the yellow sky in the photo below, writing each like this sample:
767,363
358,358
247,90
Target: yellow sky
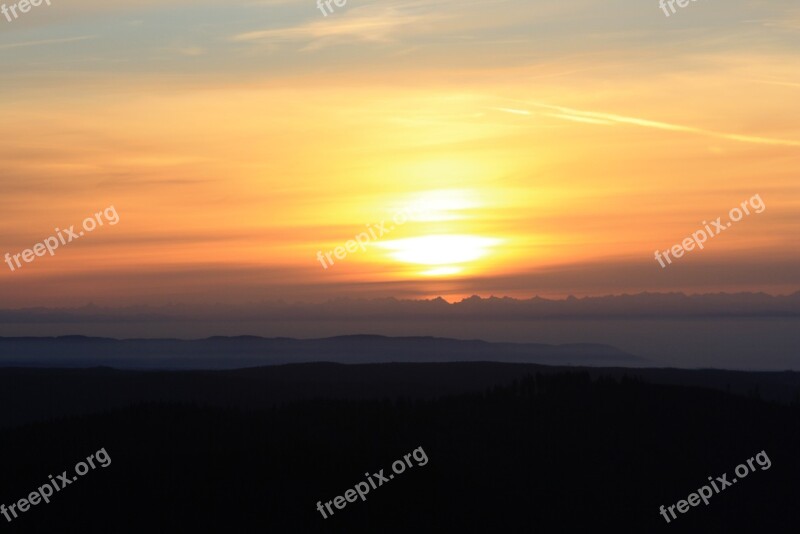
523,161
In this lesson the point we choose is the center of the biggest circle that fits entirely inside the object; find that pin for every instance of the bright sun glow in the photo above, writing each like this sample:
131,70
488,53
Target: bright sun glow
442,205
440,249
440,233
442,271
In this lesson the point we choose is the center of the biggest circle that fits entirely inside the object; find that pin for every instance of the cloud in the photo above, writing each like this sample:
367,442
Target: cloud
47,42
513,111
596,117
370,27
574,118
785,84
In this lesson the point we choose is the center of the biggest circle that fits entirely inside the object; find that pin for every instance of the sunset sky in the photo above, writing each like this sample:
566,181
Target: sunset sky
548,147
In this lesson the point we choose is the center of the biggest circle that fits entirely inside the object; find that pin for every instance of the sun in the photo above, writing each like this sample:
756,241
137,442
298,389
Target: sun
443,235
447,252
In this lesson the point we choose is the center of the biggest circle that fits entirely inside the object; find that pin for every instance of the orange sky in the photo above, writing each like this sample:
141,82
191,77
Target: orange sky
550,151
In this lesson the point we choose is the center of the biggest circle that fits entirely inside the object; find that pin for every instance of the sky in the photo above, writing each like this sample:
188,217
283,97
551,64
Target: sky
508,148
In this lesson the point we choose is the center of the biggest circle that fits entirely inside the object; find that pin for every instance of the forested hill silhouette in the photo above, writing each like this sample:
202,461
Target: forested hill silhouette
250,351
29,395
544,453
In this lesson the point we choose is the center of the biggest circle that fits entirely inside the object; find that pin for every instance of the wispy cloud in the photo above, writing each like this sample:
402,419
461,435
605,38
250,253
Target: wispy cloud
596,117
574,118
47,42
513,111
380,26
785,84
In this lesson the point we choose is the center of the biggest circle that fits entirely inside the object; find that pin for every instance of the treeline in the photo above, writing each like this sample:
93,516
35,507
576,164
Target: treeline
547,453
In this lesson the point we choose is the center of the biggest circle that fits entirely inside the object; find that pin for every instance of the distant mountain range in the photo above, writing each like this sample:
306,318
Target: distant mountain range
748,331
654,305
248,351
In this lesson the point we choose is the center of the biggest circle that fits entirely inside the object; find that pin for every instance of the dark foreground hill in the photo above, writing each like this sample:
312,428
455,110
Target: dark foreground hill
30,395
556,453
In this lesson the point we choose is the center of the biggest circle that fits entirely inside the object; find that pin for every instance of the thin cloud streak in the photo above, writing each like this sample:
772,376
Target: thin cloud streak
785,84
578,115
364,28
573,118
47,41
513,111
